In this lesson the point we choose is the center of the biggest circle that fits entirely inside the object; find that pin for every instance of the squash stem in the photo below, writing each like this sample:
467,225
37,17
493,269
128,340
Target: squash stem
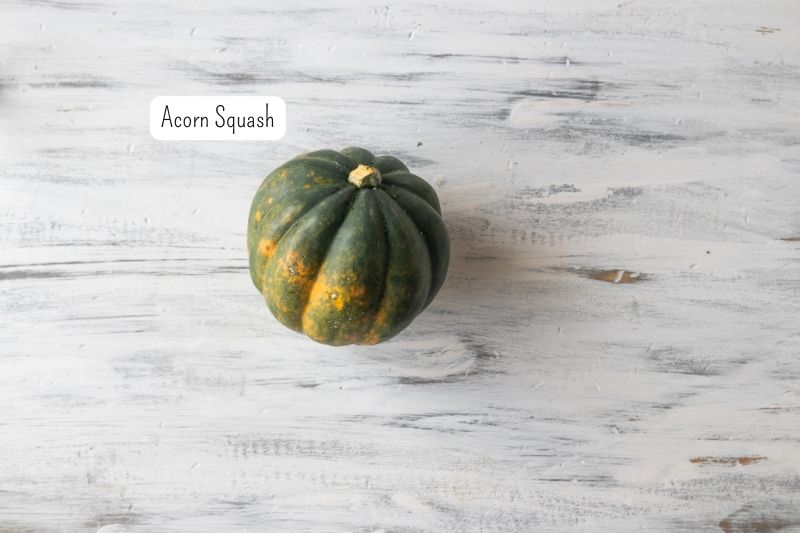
364,176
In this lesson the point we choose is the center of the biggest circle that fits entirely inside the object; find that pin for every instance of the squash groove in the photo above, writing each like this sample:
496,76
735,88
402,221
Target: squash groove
388,255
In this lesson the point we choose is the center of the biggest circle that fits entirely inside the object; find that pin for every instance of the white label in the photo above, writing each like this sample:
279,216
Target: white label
217,118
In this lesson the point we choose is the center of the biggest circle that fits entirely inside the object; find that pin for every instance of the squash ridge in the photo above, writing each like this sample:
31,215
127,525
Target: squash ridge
295,223
421,183
331,162
258,232
387,253
425,241
419,235
328,247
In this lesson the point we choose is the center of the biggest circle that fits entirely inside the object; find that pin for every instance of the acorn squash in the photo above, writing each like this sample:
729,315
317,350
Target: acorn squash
346,247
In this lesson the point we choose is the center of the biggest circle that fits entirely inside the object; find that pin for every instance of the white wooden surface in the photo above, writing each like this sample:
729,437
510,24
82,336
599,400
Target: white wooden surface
145,388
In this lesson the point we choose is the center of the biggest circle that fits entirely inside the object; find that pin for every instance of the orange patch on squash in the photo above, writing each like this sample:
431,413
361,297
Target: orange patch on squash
371,338
379,322
295,269
310,329
258,216
266,247
381,318
357,292
278,303
323,291
327,296
338,300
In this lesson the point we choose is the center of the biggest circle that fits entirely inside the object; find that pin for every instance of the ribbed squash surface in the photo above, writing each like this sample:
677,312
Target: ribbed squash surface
346,247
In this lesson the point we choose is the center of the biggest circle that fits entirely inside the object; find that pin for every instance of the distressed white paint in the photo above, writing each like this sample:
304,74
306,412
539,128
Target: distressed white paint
144,387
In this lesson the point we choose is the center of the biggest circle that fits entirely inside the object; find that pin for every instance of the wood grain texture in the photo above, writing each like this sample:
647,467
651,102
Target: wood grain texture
615,348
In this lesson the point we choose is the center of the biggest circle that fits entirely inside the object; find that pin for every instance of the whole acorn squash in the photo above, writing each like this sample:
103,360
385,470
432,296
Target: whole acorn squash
346,247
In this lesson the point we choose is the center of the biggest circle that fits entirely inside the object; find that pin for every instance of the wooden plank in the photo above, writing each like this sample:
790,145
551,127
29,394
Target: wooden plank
616,345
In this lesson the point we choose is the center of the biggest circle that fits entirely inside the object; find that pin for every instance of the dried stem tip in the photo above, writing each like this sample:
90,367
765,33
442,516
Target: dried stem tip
364,176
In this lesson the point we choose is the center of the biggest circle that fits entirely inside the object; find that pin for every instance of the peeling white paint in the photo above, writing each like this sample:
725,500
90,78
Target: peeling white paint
145,388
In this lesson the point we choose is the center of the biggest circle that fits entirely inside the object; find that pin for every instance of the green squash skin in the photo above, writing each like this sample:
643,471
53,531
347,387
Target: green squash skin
350,283
414,184
288,209
388,163
408,276
290,274
431,227
359,156
343,264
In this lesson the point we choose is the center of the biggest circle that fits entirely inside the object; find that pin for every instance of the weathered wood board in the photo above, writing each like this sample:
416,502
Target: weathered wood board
616,348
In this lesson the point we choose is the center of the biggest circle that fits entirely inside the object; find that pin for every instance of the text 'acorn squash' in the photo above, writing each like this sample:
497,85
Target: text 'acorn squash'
346,247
